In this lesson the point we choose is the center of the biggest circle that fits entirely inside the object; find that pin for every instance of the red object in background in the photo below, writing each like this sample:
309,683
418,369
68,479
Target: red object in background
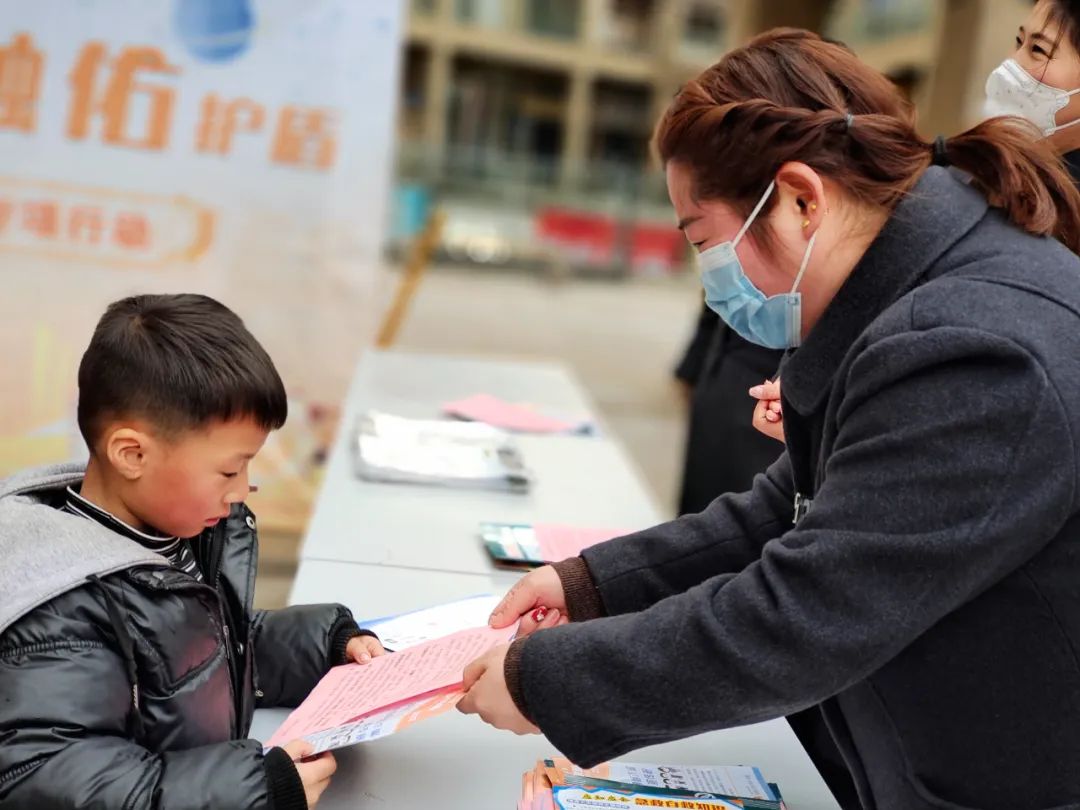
656,249
582,237
592,240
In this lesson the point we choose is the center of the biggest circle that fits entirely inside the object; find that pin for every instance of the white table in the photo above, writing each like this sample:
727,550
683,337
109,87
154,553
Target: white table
580,480
383,549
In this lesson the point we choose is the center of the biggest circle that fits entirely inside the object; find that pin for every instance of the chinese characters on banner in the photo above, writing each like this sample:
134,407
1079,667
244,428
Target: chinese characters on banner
238,148
108,88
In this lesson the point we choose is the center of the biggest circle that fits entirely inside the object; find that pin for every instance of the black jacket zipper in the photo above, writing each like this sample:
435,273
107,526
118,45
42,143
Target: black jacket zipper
235,667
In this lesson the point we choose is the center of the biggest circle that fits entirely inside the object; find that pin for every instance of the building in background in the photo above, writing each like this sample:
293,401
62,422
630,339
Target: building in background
530,120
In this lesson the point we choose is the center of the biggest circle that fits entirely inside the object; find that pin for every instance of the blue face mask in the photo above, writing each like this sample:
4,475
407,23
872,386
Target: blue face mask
771,321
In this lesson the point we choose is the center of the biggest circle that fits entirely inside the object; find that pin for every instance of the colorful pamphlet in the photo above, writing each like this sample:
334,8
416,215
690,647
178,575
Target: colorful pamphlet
557,784
383,723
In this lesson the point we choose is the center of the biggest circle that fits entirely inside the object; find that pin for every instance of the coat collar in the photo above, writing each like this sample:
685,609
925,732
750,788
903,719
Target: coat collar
936,214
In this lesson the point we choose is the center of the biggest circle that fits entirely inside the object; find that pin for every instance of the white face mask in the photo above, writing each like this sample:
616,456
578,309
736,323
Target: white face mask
1011,90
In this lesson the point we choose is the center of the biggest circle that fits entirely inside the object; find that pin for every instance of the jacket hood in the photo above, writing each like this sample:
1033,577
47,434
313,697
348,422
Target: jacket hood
45,552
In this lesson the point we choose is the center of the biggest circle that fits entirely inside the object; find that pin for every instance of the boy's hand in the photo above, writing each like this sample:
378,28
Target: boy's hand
362,649
314,773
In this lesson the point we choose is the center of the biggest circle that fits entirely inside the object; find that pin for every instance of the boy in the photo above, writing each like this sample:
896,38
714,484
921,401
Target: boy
131,659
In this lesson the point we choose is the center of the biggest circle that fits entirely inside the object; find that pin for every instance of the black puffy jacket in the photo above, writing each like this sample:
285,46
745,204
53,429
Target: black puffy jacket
135,689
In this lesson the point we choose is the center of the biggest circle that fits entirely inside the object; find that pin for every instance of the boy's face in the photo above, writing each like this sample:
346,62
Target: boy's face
189,482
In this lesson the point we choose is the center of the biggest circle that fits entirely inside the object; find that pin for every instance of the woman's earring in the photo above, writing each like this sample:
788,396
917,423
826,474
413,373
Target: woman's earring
806,223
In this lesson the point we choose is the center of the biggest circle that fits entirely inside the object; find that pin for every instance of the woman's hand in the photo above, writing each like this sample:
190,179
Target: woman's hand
769,413
487,695
536,601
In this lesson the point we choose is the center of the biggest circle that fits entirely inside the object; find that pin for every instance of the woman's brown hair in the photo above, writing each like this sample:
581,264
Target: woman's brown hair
788,95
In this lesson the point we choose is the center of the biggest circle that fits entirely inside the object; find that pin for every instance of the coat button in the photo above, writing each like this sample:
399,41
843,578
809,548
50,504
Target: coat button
251,522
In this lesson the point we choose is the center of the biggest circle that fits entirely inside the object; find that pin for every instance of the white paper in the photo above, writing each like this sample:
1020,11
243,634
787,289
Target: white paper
410,629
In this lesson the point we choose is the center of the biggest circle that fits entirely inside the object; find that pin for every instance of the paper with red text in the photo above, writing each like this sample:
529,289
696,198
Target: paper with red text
353,692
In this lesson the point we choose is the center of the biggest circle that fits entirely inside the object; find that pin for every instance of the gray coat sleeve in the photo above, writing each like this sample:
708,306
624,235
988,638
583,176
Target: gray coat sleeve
945,477
639,570
63,742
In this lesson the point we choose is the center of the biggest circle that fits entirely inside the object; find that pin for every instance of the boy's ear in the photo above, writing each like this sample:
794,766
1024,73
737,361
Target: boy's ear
126,449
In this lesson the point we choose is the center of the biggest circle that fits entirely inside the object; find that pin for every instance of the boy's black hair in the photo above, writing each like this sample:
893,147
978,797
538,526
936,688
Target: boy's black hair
178,361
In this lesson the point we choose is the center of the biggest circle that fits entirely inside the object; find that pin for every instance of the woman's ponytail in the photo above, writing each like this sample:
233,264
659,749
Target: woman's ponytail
1014,166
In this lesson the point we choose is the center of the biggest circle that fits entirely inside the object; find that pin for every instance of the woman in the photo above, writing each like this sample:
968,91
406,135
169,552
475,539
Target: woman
1041,80
1039,83
909,566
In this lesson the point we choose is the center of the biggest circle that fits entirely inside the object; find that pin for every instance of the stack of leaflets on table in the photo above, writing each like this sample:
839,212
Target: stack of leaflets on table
558,784
523,545
423,451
